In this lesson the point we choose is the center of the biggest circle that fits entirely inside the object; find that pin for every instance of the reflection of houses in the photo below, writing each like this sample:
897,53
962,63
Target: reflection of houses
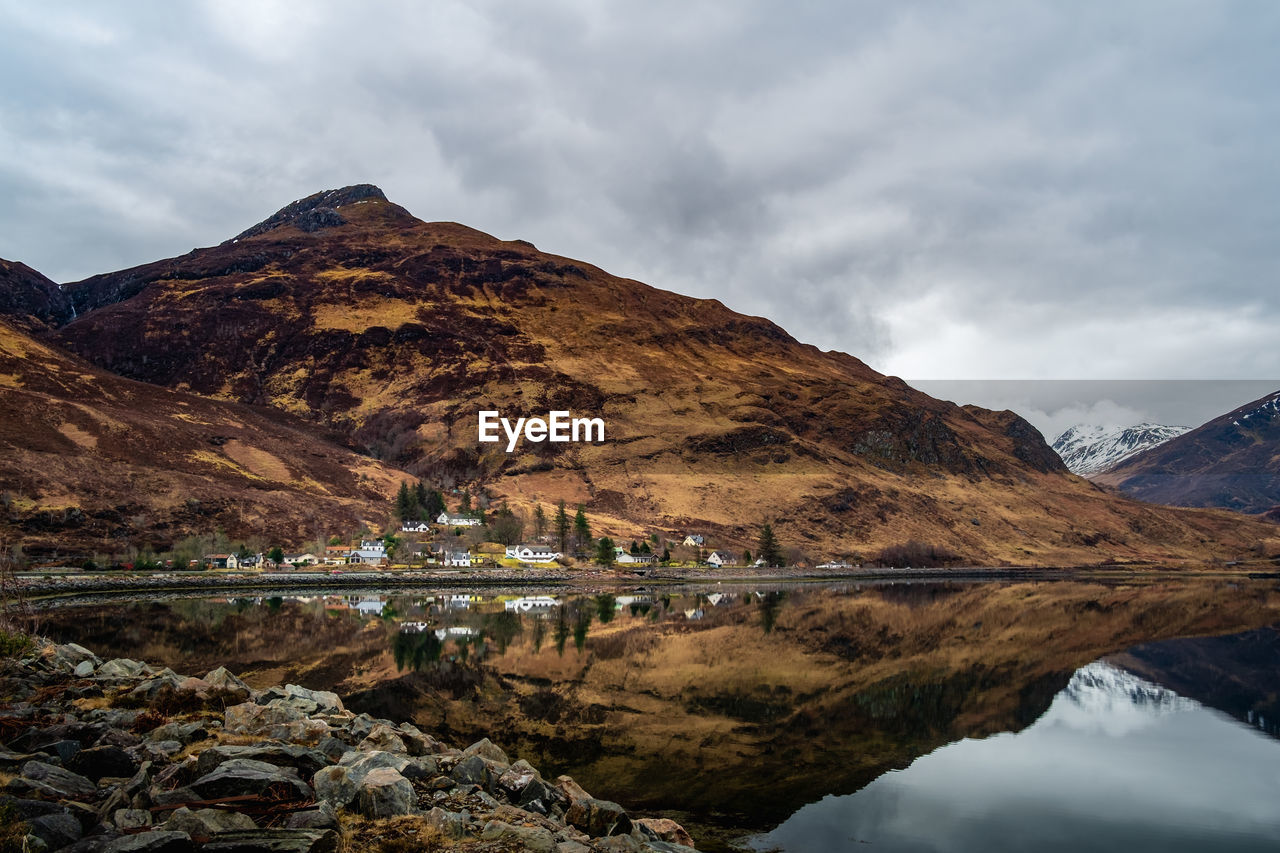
371,552
222,561
459,601
532,553
622,601
532,604
722,558
695,540
715,599
370,606
457,520
694,614
414,627
455,632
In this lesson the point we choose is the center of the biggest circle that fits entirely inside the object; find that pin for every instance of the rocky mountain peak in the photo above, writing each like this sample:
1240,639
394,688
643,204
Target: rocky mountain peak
316,211
31,300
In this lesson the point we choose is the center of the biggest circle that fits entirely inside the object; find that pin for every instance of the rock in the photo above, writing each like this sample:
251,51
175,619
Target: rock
663,829
572,847
156,841
306,761
384,793
130,819
250,718
332,748
120,668
56,830
65,750
98,761
275,841
239,776
118,737
323,817
198,686
515,779
152,686
184,733
472,770
204,823
487,749
422,767
14,760
532,838
363,762
56,780
360,726
571,789
160,749
449,824
68,656
663,847
84,669
621,844
306,731
223,679
598,818
383,737
335,785
323,701
419,743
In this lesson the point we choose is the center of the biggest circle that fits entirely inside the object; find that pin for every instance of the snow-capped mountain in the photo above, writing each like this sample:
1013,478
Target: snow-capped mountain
1089,450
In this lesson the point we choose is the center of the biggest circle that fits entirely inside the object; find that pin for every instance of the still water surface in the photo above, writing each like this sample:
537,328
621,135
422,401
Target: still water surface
915,717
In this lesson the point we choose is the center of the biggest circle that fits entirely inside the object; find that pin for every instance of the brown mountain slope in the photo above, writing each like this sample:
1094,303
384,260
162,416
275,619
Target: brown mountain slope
1232,461
344,309
93,462
30,300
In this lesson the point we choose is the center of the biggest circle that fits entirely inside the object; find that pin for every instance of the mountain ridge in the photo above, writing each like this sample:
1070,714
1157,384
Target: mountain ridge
396,332
1088,450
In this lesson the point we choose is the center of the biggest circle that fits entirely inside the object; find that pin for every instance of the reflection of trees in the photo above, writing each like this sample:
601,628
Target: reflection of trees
539,634
561,632
581,622
503,628
416,651
274,603
769,607
605,607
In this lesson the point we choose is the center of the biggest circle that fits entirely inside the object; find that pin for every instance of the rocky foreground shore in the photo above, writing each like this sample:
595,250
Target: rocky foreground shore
122,757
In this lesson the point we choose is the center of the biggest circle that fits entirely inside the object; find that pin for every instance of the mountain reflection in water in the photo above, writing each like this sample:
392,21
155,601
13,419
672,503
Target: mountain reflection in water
726,707
1116,763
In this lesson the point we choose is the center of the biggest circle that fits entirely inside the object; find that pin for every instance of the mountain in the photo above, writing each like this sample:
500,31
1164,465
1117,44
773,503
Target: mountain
1233,461
345,311
1089,450
91,462
29,300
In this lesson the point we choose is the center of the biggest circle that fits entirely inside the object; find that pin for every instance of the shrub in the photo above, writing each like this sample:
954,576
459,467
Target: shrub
916,554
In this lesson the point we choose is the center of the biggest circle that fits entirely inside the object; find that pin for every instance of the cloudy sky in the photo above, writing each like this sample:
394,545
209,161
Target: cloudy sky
987,190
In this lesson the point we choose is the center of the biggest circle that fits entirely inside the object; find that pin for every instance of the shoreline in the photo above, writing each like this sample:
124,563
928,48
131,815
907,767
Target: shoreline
55,584
120,755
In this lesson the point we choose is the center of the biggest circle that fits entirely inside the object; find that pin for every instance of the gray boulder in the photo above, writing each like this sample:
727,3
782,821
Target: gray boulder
321,817
306,761
383,737
486,748
275,841
384,793
532,838
250,718
239,776
205,823
450,825
56,830
155,841
598,817
57,781
131,819
223,679
98,761
120,668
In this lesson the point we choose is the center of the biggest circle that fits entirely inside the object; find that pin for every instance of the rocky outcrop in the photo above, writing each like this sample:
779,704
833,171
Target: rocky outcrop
102,778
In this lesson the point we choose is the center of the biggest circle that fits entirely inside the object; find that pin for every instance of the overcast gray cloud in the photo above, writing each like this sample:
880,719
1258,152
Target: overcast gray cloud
980,190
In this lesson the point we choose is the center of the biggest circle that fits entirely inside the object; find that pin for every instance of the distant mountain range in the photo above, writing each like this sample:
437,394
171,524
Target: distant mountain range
1089,450
286,379
1233,461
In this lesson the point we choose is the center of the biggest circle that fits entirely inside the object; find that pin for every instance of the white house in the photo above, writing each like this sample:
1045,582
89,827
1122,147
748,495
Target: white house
370,552
722,558
222,561
695,540
301,559
415,527
532,553
458,559
457,520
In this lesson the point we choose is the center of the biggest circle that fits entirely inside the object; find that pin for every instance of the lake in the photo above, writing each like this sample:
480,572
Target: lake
931,716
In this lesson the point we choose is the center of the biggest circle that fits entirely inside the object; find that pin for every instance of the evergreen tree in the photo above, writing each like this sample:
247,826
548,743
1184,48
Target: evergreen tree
581,529
562,527
746,557
666,555
634,549
604,552
645,549
539,521
433,505
769,550
465,506
276,555
405,502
